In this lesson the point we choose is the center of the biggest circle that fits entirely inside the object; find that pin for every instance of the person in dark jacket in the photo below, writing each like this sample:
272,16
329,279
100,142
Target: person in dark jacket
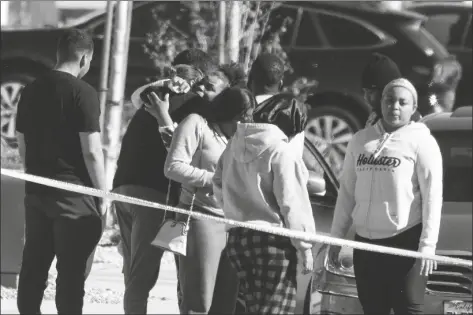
379,71
140,174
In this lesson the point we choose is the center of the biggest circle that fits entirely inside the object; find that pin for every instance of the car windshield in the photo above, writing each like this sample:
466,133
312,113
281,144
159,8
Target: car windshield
84,18
457,159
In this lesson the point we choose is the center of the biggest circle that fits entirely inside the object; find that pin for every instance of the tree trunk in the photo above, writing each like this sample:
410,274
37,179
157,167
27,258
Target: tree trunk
5,9
105,65
196,26
114,106
234,31
222,25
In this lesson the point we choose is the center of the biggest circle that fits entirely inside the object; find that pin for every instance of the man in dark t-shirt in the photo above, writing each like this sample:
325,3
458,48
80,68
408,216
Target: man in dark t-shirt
59,138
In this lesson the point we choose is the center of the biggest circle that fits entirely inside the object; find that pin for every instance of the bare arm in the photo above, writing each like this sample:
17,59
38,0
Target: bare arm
93,157
429,170
342,220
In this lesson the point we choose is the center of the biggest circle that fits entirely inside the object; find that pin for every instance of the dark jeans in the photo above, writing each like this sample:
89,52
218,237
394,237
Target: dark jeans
49,233
90,260
209,283
141,260
386,282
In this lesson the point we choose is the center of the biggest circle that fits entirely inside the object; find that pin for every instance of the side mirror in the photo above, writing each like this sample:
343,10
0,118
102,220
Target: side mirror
316,184
319,196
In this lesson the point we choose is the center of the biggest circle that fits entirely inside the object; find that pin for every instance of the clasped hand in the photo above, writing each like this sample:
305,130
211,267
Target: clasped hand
156,106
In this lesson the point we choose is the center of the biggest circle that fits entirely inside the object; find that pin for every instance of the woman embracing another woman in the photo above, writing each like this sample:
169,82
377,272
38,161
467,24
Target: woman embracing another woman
207,278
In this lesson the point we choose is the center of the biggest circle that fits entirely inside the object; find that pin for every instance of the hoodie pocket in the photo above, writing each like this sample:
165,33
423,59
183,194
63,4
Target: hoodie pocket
360,213
383,218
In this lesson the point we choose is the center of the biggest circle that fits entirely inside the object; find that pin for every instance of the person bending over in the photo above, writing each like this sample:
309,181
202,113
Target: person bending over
260,179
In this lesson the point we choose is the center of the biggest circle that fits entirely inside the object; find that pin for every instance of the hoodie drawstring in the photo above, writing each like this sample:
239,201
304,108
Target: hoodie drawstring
382,144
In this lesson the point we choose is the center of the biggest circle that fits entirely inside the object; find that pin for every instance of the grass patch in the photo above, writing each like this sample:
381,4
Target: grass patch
11,158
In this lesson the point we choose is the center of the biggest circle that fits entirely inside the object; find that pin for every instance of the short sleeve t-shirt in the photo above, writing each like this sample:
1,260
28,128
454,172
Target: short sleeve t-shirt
52,111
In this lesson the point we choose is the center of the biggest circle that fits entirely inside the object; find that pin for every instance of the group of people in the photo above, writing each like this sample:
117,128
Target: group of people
217,143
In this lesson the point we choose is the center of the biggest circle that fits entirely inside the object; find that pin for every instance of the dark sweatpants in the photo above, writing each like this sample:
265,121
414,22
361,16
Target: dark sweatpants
50,230
141,260
90,260
209,283
386,282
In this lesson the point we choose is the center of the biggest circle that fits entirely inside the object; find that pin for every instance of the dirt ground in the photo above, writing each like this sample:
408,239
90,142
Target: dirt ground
104,288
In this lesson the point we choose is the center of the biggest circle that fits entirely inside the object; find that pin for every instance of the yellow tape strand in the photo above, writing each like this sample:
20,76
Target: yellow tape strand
303,236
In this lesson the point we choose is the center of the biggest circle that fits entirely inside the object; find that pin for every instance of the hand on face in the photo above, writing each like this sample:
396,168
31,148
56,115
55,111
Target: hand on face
157,106
178,85
398,106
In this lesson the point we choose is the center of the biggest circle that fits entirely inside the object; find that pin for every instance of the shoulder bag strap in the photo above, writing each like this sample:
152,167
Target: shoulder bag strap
201,140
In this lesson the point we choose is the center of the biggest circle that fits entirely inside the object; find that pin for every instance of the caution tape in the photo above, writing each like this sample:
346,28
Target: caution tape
302,236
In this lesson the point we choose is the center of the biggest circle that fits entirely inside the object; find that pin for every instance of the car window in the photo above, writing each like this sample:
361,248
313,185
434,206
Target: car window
345,33
456,148
308,34
468,37
447,28
283,19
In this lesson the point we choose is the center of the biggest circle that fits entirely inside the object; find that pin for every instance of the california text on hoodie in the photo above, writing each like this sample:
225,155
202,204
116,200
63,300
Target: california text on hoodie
390,183
192,159
261,179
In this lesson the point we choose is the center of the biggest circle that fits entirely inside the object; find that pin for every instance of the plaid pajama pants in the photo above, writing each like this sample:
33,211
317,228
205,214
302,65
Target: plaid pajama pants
267,268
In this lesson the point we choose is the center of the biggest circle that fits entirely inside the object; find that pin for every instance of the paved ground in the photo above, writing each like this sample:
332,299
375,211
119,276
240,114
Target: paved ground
107,276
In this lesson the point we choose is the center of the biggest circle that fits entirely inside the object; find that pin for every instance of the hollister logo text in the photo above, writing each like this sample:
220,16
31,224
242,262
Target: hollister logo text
383,161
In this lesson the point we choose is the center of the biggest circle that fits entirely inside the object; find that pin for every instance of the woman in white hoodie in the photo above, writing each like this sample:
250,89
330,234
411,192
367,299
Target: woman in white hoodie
391,191
262,179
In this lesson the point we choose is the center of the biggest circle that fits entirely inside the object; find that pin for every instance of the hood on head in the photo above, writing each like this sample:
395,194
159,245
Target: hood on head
251,140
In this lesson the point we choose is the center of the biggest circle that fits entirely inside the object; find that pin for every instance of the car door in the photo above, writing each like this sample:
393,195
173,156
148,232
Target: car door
322,204
322,209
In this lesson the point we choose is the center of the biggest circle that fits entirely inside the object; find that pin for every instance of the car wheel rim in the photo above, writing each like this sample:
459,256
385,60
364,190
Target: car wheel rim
10,95
330,134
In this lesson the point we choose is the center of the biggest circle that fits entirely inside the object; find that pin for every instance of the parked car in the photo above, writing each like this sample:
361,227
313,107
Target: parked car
449,288
450,23
326,41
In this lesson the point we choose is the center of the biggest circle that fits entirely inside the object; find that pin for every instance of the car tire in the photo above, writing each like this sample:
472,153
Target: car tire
330,128
11,86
